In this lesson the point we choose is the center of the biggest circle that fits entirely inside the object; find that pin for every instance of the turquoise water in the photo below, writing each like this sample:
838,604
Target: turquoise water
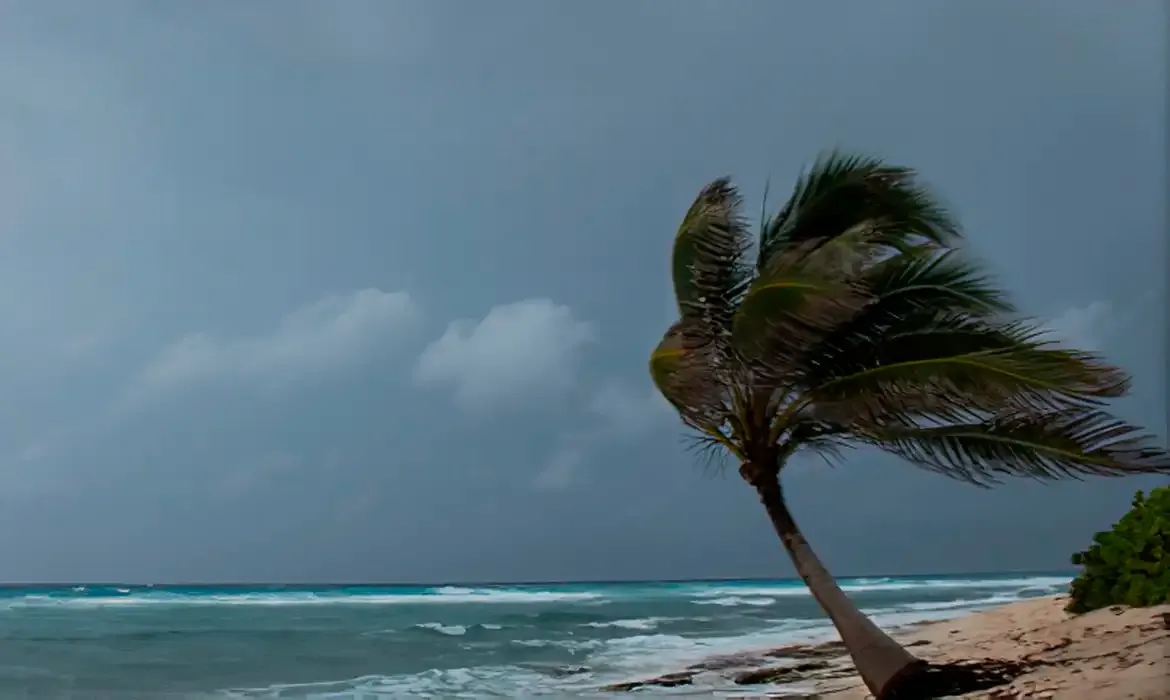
366,642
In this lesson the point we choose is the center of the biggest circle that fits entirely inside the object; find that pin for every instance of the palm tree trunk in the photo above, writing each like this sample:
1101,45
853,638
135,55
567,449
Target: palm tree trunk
881,662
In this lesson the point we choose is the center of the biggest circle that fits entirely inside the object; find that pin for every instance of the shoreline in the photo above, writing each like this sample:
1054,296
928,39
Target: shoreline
1106,654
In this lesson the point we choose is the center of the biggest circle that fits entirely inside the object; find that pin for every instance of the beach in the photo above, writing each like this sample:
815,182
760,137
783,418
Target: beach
1110,654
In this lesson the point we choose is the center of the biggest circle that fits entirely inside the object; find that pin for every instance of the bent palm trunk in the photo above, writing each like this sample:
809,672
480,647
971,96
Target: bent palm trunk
881,662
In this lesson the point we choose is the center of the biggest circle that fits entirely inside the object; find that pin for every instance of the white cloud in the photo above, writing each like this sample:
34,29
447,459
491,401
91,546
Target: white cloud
334,331
1083,327
561,471
520,351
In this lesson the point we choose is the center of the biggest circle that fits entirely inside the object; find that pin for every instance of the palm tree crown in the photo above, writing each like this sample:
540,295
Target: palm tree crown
860,321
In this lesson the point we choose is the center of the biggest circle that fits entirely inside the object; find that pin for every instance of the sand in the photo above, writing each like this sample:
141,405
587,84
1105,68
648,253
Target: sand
1112,654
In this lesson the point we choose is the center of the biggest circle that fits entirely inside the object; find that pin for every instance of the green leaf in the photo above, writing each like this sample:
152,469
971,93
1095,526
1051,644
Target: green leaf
685,372
842,193
709,268
925,277
1066,443
912,291
1127,564
951,367
803,294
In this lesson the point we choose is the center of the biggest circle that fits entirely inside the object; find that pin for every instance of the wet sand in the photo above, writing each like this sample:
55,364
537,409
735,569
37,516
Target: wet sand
1112,654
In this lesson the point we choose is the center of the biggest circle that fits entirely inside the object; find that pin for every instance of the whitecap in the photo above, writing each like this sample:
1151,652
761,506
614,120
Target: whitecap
962,604
571,645
509,595
1045,583
653,654
1039,584
491,681
449,630
645,623
445,595
730,601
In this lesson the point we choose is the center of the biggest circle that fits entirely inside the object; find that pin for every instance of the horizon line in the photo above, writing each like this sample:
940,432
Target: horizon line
500,583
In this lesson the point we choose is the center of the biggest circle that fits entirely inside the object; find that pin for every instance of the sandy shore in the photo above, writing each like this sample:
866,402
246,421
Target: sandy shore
1112,654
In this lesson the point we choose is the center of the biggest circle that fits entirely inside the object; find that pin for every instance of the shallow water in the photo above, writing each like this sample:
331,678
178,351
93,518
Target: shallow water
369,642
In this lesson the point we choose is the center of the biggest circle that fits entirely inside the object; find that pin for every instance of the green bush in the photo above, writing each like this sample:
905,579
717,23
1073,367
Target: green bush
1130,564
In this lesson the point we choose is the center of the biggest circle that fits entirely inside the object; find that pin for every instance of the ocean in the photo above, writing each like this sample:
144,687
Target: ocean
367,642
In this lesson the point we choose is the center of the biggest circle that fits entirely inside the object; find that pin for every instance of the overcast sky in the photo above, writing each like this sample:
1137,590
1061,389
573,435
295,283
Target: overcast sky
365,290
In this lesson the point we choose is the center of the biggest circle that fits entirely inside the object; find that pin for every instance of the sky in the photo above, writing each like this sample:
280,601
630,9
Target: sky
364,291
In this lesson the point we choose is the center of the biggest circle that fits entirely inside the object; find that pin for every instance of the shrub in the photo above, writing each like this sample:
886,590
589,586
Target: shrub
1130,564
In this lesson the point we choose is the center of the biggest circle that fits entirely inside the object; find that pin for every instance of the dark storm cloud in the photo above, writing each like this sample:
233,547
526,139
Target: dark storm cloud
364,290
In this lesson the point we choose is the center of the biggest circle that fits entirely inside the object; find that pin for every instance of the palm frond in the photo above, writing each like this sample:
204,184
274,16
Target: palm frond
711,453
927,277
909,290
685,370
825,442
1059,444
952,367
709,268
803,294
842,192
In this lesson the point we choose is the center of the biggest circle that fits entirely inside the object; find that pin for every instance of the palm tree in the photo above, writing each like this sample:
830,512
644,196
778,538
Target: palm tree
859,322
